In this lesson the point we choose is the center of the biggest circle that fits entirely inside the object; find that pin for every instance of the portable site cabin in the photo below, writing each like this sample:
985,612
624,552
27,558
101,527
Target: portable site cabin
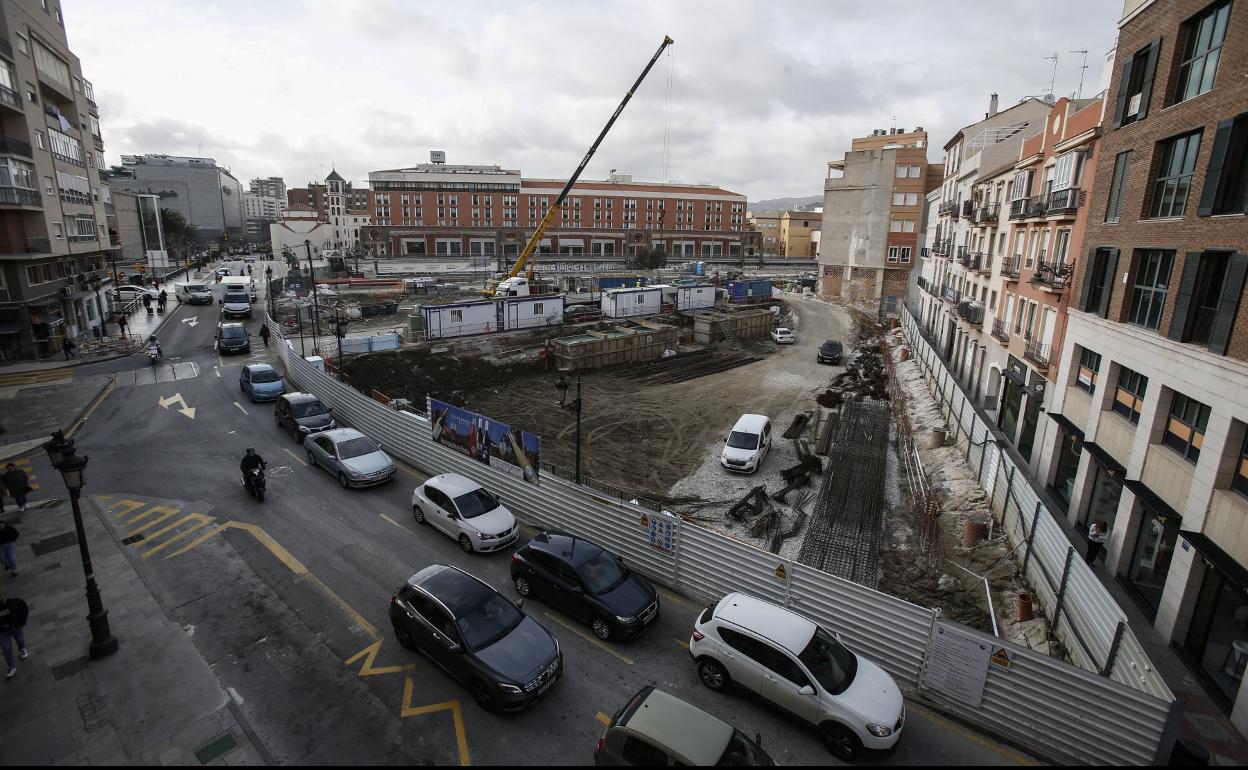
749,291
459,319
605,282
529,312
688,296
623,303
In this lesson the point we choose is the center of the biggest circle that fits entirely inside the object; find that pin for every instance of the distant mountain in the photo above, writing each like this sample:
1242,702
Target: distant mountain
787,204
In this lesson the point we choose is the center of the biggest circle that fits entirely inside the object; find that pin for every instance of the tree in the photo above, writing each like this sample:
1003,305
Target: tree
179,233
651,259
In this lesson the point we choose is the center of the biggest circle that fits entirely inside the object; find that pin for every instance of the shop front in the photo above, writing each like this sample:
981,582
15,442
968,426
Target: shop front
1069,452
1012,398
1217,638
1154,549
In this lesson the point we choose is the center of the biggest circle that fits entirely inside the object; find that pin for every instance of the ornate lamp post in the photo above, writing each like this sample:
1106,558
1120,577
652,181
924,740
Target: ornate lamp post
73,470
574,407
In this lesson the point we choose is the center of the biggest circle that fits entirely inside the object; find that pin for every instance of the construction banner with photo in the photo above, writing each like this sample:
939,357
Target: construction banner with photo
486,440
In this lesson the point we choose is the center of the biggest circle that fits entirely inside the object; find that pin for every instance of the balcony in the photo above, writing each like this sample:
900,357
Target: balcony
961,256
1203,318
1010,267
11,100
1065,201
75,238
967,208
24,245
925,252
1037,206
98,141
1052,276
971,311
67,159
11,146
20,196
946,207
1037,353
6,50
1018,208
1000,331
986,214
943,248
979,262
950,294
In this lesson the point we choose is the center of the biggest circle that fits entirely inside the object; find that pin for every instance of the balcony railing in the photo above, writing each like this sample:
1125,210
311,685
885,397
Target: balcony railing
999,330
67,159
978,261
11,98
19,245
1202,325
1018,208
986,214
971,311
1053,275
1036,206
946,208
6,49
950,294
98,141
76,238
967,208
925,252
1037,352
19,196
1010,266
12,146
1065,201
961,255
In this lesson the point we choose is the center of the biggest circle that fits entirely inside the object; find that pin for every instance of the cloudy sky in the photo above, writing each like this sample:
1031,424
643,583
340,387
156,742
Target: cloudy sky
754,96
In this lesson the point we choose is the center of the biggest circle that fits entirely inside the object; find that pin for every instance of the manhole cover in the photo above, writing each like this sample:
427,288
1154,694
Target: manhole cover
215,749
132,539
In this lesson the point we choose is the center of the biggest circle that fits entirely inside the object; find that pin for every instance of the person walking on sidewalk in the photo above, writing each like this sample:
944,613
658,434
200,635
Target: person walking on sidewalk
18,484
67,347
162,300
13,616
121,325
8,547
1098,533
264,334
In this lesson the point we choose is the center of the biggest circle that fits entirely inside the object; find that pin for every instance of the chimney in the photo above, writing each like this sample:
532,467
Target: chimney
992,106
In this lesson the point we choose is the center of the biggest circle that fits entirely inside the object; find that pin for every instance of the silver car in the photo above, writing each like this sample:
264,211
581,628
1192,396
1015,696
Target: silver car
354,458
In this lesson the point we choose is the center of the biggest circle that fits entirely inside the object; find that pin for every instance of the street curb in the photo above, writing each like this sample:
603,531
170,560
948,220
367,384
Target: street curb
19,448
95,401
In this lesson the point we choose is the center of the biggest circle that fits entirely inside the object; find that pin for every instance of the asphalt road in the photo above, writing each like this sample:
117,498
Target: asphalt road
288,599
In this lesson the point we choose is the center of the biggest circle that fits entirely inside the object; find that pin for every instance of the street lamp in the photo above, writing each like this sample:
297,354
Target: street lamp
574,407
268,287
73,470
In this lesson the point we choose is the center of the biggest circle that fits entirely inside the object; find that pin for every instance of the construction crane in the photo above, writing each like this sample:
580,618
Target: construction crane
516,286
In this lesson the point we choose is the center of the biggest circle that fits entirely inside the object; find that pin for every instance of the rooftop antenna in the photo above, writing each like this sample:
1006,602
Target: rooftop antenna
1053,77
894,124
1083,70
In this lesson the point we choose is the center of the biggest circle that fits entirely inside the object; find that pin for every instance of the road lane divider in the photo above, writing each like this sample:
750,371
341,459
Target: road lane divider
397,524
241,409
461,736
589,638
298,459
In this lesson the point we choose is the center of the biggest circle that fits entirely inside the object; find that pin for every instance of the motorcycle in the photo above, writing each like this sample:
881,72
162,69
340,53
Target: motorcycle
254,482
153,354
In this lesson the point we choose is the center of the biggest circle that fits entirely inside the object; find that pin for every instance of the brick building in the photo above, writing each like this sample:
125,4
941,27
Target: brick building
1149,401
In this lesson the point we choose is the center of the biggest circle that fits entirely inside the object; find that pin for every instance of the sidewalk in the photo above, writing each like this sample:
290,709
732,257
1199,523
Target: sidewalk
155,702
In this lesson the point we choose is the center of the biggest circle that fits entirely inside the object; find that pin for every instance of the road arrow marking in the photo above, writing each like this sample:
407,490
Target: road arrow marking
176,398
193,321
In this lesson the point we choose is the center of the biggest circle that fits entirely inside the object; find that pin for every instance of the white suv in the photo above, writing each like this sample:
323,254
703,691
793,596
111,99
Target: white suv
802,668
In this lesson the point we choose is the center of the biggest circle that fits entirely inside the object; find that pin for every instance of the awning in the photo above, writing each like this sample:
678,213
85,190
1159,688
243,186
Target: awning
580,242
1106,459
1066,424
1150,498
1225,563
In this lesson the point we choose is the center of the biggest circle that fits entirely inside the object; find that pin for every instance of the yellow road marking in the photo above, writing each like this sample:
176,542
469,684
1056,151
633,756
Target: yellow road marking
22,461
397,524
34,486
674,599
369,654
461,737
112,383
601,717
403,467
130,505
589,638
200,520
165,509
298,459
240,408
682,642
1009,754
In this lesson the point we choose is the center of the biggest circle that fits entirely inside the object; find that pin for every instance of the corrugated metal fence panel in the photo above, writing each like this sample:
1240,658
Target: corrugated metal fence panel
889,631
712,565
1097,721
1133,668
552,503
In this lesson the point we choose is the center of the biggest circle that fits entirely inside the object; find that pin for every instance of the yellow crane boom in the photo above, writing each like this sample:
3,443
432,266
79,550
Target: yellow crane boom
529,248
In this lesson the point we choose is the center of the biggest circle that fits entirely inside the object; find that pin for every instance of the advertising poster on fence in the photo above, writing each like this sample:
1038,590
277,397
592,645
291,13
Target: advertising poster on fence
486,440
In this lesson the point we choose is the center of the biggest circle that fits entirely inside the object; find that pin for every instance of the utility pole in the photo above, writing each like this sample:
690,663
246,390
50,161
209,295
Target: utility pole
316,301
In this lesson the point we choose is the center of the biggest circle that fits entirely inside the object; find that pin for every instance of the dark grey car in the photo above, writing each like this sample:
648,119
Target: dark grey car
302,414
507,659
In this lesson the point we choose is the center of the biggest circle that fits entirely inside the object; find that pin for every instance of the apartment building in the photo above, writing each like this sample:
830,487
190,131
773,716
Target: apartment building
873,216
204,192
443,210
1150,395
334,226
767,223
796,228
315,196
54,242
269,187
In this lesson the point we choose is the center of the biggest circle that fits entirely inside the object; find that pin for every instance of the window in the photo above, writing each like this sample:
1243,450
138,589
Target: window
1152,281
912,199
637,752
1226,181
538,308
1200,49
457,316
1020,185
58,230
1117,186
1239,482
22,44
1135,88
1099,281
914,172
1185,429
51,65
1207,298
1061,245
1174,175
1066,170
894,253
899,199
47,186
905,255
894,226
1089,367
1129,397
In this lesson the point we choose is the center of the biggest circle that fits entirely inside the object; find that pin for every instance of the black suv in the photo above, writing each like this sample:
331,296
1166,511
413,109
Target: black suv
830,352
233,338
587,582
302,414
506,658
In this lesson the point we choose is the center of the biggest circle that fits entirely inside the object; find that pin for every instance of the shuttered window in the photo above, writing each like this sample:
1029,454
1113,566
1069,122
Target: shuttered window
1118,186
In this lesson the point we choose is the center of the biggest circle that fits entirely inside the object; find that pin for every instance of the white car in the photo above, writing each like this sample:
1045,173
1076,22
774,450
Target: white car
136,292
222,271
783,336
802,668
464,510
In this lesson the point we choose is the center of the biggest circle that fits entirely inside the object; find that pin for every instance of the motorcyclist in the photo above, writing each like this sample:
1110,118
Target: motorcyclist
250,462
153,343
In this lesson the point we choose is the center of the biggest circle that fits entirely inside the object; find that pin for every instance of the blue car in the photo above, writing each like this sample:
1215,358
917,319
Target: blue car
261,382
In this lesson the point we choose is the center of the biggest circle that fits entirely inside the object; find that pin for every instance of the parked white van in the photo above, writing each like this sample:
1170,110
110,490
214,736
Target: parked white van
240,283
194,293
747,444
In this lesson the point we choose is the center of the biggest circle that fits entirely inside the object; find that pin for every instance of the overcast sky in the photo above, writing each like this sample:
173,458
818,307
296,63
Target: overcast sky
762,94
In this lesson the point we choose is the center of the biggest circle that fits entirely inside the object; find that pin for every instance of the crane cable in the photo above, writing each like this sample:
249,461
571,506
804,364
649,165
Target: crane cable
667,118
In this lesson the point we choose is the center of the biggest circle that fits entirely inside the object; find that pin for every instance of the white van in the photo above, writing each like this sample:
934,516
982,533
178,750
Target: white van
747,444
194,293
237,283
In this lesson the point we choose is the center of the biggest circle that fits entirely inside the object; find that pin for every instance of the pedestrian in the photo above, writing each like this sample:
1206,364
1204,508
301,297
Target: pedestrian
121,325
67,347
147,300
264,334
163,300
1098,533
13,616
18,484
8,547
